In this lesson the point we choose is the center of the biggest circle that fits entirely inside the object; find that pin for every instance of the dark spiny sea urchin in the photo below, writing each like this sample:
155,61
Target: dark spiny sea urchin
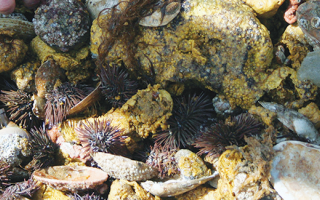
20,190
60,101
43,149
188,114
163,160
5,175
213,141
101,136
89,196
116,86
19,105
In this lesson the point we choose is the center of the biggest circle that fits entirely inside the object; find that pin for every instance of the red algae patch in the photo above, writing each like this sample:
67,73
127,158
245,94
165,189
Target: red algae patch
71,178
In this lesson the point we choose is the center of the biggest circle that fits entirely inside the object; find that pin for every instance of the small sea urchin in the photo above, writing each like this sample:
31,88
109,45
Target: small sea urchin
101,136
5,175
19,104
116,86
20,190
213,141
43,149
188,114
60,101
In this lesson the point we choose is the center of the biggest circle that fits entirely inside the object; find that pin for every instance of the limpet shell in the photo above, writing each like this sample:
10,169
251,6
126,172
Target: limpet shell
71,178
120,167
295,170
19,27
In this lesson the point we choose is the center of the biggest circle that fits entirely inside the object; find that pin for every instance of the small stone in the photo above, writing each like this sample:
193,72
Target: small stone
295,170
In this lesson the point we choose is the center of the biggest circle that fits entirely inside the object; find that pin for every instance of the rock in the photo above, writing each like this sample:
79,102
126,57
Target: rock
14,145
295,170
198,48
310,68
265,8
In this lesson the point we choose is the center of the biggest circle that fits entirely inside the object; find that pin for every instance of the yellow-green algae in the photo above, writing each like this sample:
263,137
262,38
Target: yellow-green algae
219,45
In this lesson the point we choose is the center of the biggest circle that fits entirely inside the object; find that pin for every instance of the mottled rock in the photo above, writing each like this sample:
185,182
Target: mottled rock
295,170
191,166
125,190
265,8
14,145
120,167
198,48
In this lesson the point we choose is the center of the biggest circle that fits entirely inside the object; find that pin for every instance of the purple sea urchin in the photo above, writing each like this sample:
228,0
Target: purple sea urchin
100,136
163,160
20,190
188,114
19,104
5,175
60,101
43,149
91,196
232,132
62,24
116,87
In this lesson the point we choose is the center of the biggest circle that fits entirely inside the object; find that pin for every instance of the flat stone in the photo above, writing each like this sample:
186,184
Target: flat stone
295,170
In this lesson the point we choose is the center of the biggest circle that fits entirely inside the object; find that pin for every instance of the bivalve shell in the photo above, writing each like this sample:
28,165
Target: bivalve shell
71,178
295,170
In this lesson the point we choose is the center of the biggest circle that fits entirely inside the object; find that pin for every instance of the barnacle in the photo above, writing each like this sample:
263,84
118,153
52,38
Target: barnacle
101,136
43,149
188,114
219,135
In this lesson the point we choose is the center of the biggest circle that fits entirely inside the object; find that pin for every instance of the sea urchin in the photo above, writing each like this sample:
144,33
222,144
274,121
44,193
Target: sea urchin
101,136
188,115
213,141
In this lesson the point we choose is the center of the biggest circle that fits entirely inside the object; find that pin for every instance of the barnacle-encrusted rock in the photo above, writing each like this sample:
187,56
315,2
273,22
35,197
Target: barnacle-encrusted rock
125,190
74,62
199,46
295,170
12,52
245,171
71,178
14,145
191,166
62,24
24,76
308,20
275,85
120,167
148,110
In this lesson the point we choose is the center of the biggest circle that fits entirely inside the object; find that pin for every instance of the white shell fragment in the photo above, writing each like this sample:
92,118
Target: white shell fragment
96,6
175,187
158,19
295,170
71,178
20,27
295,121
120,167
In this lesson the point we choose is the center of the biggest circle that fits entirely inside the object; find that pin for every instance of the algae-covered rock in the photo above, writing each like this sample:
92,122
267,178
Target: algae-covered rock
219,45
148,110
